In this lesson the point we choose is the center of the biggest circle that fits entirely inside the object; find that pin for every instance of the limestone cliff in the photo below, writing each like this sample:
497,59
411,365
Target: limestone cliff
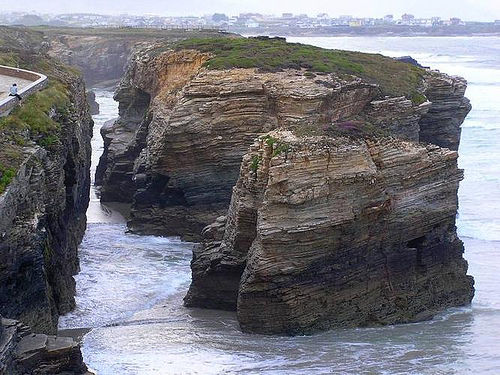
176,149
340,217
45,158
329,231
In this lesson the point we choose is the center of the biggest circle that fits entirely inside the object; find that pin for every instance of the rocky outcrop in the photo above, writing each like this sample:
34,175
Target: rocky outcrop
93,105
338,218
24,352
331,231
441,125
116,165
42,219
176,150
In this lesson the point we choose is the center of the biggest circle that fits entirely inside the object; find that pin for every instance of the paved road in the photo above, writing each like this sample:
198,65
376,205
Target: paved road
6,82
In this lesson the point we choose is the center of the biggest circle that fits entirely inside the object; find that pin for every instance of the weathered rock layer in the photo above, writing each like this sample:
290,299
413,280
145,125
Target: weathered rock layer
176,149
336,232
42,221
24,352
339,218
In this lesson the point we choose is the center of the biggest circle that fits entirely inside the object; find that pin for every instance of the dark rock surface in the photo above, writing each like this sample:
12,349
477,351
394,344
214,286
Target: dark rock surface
93,105
121,146
24,352
42,221
410,60
99,58
441,124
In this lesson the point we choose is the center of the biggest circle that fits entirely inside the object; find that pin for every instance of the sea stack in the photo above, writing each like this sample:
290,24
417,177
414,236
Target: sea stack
339,170
334,231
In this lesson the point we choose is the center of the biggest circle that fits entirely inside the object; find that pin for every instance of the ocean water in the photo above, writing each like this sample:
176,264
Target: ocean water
130,288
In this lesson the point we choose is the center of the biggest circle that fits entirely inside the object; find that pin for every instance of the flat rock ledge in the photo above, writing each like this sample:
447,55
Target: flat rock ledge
25,352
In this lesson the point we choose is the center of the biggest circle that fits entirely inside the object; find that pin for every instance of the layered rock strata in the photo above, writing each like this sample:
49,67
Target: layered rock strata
339,218
331,231
42,220
441,125
176,149
24,352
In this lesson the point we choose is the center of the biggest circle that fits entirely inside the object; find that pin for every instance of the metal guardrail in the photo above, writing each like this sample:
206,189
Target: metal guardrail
39,82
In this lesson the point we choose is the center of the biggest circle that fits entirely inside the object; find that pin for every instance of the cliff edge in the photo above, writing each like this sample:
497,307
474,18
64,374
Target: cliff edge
44,191
189,112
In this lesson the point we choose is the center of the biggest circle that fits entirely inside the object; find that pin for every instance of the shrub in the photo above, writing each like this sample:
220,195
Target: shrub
254,165
418,98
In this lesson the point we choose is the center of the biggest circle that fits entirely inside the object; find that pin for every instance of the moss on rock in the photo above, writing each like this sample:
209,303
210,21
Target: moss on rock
395,78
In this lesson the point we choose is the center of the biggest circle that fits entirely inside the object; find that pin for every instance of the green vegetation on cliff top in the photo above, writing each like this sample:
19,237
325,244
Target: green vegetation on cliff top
35,114
36,119
32,121
273,54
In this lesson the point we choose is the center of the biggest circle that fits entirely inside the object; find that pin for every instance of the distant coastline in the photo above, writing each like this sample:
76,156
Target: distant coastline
479,29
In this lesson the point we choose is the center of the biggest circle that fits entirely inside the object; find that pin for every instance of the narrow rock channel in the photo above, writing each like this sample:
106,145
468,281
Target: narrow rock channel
130,290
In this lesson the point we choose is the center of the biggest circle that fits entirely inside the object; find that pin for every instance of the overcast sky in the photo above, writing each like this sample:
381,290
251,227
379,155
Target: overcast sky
481,10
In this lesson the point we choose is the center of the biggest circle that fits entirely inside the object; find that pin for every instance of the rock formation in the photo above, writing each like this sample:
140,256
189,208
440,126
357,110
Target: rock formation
331,232
42,211
24,352
176,149
93,105
441,125
339,216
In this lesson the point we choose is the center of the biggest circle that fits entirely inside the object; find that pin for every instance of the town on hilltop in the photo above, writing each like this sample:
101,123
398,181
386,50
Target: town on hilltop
293,24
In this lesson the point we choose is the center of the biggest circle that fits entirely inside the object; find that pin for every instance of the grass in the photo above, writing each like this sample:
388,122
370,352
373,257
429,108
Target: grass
354,128
7,174
418,98
35,117
33,121
127,32
275,54
19,38
254,165
38,119
9,59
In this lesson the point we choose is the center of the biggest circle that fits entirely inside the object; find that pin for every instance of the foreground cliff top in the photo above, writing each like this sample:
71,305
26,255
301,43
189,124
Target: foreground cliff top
395,78
34,122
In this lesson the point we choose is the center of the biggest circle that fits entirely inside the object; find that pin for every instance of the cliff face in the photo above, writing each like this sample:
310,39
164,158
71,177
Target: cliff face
338,218
42,211
176,149
441,125
125,138
99,58
336,232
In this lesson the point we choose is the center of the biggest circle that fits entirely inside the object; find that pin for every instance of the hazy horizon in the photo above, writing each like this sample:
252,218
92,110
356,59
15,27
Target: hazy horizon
468,10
